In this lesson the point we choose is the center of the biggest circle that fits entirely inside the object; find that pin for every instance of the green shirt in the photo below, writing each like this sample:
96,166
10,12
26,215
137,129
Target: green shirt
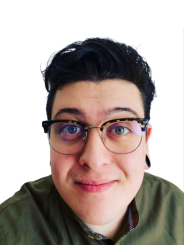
37,215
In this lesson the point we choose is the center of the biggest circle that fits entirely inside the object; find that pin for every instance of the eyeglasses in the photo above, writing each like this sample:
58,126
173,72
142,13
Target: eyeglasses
120,136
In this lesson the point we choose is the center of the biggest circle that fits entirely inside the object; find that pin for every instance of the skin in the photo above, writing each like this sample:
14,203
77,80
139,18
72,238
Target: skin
104,211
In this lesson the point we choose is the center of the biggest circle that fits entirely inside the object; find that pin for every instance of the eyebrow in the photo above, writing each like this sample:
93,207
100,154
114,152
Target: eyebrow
75,111
71,111
119,109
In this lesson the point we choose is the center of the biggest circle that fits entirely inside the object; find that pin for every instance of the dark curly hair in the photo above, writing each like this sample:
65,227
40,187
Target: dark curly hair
98,59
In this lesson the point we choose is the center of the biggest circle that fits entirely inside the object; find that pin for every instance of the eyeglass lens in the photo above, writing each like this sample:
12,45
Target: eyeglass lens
122,137
119,137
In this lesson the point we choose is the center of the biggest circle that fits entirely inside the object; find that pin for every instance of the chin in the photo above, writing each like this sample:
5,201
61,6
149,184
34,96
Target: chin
97,217
98,212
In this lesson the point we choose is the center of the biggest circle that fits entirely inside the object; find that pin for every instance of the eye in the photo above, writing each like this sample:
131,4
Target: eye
120,130
71,129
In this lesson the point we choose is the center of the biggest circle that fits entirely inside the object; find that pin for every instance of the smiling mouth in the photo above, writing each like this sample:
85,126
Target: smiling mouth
93,186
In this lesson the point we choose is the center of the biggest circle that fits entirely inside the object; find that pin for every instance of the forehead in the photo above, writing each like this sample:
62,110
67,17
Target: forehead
95,99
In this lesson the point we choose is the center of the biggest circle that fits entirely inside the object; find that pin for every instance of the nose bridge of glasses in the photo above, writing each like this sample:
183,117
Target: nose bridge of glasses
89,127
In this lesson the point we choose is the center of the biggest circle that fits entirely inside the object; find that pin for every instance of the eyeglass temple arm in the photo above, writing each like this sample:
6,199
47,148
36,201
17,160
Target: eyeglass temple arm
46,125
145,124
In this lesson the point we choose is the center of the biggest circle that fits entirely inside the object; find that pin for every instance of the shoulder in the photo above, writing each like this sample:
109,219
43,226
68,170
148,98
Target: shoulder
160,194
161,187
29,191
160,205
27,210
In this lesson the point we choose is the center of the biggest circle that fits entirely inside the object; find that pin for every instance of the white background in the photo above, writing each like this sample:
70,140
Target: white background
32,30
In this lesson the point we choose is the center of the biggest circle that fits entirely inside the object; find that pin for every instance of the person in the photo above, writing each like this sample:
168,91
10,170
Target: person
98,108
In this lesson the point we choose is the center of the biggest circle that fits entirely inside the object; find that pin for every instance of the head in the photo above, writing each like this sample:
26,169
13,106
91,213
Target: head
88,80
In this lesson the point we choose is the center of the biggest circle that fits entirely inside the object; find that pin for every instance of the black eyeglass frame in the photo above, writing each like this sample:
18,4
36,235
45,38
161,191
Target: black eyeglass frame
142,121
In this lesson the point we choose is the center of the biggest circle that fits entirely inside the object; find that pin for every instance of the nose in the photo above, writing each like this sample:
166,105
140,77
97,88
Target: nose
94,154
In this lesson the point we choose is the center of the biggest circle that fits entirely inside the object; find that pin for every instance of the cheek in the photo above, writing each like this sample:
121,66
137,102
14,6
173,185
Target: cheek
60,165
132,165
132,162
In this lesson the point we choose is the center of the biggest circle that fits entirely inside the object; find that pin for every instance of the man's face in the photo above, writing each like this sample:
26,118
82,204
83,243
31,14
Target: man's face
95,163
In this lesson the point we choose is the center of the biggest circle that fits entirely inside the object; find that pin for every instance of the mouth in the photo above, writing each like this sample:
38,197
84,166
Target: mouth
95,186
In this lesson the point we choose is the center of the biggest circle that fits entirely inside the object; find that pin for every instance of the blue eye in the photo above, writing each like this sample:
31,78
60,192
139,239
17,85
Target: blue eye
71,129
120,130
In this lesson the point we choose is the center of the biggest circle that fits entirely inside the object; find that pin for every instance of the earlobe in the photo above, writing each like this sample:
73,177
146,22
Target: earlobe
148,163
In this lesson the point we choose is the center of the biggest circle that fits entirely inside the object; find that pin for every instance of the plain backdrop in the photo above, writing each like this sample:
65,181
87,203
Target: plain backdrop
31,31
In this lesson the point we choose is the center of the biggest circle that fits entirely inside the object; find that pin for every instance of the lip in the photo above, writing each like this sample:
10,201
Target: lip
95,186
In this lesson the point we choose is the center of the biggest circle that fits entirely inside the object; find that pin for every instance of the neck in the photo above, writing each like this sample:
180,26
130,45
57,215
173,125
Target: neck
108,230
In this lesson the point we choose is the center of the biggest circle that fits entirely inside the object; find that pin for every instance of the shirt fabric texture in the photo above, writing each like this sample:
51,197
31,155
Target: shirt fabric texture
37,215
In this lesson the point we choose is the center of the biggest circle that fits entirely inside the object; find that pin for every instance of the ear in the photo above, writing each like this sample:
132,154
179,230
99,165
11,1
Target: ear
149,131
